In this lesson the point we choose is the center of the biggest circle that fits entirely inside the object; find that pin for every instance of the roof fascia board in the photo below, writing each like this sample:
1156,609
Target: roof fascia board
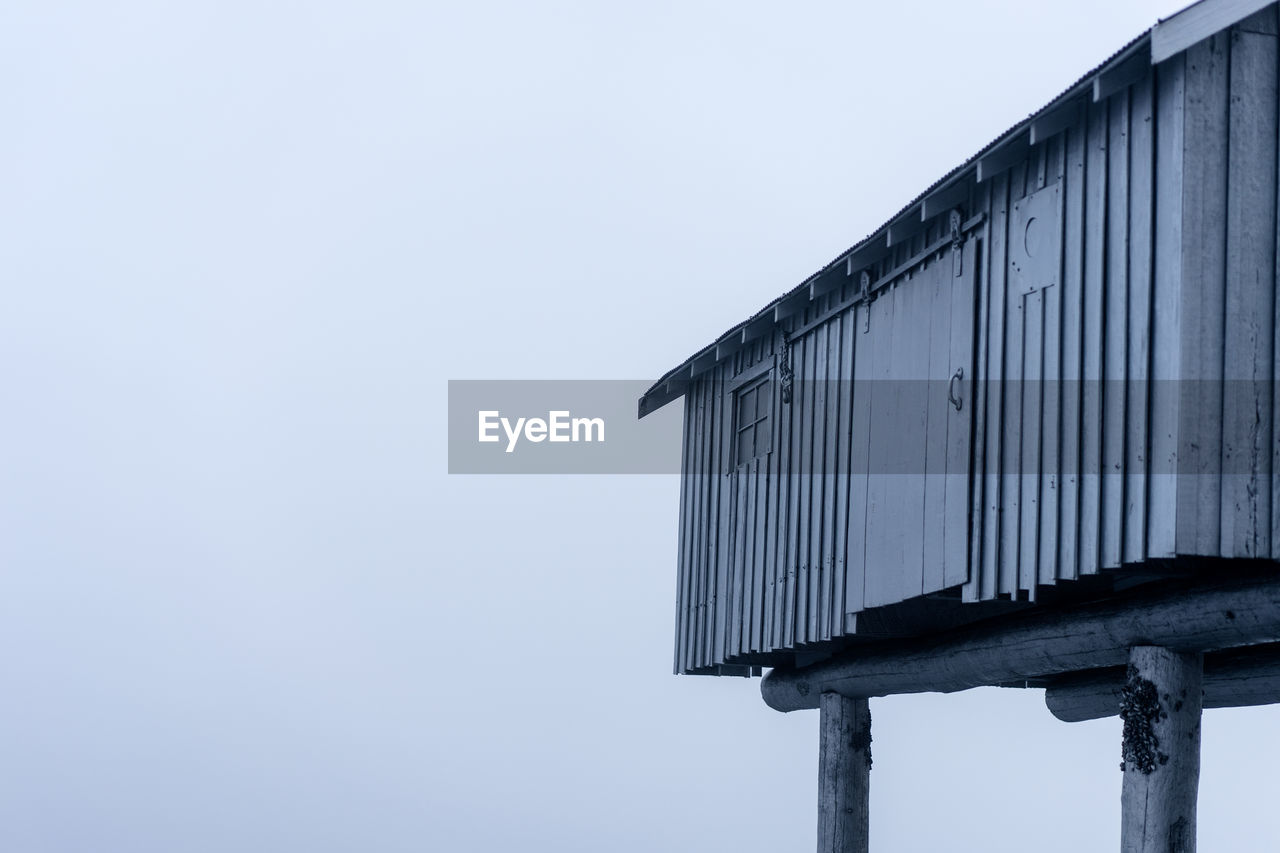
1051,122
945,198
1119,76
1196,23
1012,150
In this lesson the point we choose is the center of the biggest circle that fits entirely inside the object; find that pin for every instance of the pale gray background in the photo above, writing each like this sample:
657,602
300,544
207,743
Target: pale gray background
242,606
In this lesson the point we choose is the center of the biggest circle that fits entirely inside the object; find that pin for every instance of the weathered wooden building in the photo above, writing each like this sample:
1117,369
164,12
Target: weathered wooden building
1023,434
1050,375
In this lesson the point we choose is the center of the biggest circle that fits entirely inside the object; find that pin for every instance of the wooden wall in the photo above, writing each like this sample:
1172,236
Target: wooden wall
1063,484
863,498
1115,300
1225,498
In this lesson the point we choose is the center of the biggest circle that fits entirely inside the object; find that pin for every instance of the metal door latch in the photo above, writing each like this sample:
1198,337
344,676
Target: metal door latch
956,388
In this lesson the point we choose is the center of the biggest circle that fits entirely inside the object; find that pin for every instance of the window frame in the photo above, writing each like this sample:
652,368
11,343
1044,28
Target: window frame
749,382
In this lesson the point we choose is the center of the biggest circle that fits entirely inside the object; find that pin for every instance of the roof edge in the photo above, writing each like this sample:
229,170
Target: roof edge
1167,38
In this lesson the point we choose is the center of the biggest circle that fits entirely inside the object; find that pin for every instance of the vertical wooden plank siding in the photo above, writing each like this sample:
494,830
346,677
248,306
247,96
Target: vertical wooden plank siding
972,589
699,531
709,511
1133,547
781,569
881,533
1071,341
745,519
756,521
1089,546
789,441
911,374
1051,395
989,573
721,430
1011,439
1122,411
717,560
844,483
956,480
1115,331
938,350
678,663
703,531
763,528
776,526
742,483
835,353
1037,313
818,417
806,390
860,461
1204,188
689,525
1275,402
1166,340
1249,300
748,480
1031,309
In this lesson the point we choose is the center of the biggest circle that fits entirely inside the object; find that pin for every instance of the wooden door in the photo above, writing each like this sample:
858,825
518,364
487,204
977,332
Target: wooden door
916,358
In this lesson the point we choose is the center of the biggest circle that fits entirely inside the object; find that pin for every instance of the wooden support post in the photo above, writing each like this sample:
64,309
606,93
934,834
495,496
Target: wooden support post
1161,752
844,774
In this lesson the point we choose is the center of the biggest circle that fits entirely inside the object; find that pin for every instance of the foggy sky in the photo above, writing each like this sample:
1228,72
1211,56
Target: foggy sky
242,605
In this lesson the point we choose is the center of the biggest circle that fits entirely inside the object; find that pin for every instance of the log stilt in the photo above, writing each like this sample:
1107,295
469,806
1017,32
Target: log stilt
1160,707
844,774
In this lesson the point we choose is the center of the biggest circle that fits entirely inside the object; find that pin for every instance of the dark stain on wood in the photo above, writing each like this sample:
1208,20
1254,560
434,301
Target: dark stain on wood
1180,840
1140,709
860,738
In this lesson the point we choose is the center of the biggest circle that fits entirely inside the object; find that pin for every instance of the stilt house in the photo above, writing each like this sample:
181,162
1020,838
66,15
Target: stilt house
1049,378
